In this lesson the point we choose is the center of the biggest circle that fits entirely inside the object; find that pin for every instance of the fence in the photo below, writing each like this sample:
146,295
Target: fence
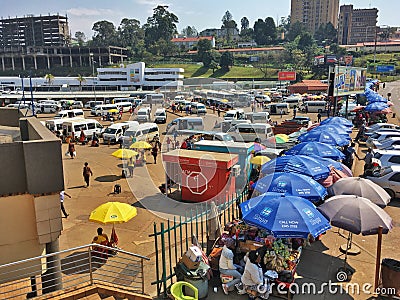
173,238
68,269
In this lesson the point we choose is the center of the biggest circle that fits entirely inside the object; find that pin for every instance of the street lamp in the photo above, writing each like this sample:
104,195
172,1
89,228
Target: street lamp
91,55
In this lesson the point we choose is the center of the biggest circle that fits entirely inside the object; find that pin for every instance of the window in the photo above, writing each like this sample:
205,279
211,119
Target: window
246,130
153,129
395,177
377,155
91,126
395,159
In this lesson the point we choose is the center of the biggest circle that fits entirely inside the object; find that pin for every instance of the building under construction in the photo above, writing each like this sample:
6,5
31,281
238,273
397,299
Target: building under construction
43,42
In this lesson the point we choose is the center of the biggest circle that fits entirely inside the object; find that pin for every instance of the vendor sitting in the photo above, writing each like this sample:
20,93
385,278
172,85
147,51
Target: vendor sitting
226,266
102,239
252,276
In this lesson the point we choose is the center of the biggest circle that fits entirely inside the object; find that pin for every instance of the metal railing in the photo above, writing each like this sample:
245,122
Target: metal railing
68,269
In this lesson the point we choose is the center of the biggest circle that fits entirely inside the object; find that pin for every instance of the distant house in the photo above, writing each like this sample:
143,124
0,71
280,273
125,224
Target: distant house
249,51
247,44
308,86
221,33
189,42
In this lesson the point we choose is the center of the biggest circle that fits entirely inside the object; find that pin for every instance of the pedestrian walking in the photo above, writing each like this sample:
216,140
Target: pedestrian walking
62,196
168,142
281,112
87,172
319,118
130,166
219,111
368,160
349,153
294,112
154,152
71,149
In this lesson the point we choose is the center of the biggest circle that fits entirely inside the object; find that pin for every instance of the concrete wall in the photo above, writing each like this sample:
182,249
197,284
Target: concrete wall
9,116
12,172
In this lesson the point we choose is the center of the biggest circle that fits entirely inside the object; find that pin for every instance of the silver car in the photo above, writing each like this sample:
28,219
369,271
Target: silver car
389,179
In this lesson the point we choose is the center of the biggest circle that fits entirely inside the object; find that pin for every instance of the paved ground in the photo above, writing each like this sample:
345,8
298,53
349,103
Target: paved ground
319,262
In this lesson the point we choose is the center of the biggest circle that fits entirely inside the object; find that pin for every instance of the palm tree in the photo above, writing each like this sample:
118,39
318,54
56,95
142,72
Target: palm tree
49,78
80,79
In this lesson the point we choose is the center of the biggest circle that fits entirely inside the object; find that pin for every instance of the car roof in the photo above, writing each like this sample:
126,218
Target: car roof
387,152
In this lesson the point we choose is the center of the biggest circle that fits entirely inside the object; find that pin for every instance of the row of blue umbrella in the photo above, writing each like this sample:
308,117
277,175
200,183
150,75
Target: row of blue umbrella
289,188
376,102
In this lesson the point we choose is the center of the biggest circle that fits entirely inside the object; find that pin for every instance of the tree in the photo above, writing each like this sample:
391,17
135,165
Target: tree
210,58
326,34
105,34
259,28
226,18
229,25
226,61
161,25
295,30
80,37
244,24
81,79
270,30
130,32
190,31
264,63
203,46
166,48
305,41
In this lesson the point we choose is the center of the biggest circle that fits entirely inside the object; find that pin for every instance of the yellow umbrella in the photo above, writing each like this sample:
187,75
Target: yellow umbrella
141,145
124,153
283,137
114,110
259,160
224,100
113,213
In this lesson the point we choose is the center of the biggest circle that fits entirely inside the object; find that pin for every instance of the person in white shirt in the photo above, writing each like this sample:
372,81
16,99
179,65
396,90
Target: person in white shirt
226,265
253,274
62,196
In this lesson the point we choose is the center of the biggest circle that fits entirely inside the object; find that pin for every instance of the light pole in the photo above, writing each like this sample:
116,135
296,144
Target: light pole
91,55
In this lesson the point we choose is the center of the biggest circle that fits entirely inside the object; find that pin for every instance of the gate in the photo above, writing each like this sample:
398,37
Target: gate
173,237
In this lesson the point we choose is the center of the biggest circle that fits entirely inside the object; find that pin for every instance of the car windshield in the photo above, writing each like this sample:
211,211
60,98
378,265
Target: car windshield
129,133
110,130
229,115
161,113
142,113
258,117
225,137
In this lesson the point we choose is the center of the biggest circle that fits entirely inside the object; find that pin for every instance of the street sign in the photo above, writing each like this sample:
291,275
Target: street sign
385,69
287,76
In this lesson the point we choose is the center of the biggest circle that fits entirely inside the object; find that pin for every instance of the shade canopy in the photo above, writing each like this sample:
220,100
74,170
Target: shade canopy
124,153
259,160
361,187
300,164
316,148
323,137
113,213
356,214
376,107
291,184
337,120
284,216
141,145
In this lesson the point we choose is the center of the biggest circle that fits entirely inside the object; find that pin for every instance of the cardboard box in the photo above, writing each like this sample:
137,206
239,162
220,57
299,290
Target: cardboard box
191,265
249,246
194,253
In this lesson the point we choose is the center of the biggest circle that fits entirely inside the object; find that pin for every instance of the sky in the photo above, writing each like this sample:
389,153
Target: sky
202,14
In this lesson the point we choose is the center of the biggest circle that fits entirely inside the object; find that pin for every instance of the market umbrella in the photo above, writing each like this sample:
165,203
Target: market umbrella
376,107
258,147
141,145
333,163
283,137
284,216
332,129
113,111
124,153
224,100
316,148
323,137
113,213
334,176
300,164
291,184
357,108
259,160
356,214
335,128
337,120
360,187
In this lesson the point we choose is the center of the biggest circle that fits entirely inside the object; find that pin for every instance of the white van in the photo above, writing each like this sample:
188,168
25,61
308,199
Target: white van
71,113
91,104
278,108
55,125
249,132
143,114
193,123
143,132
314,106
49,107
160,116
77,104
234,114
74,127
112,133
260,117
198,108
293,101
100,110
126,106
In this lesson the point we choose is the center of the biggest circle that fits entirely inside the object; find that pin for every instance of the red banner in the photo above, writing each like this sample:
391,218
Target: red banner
287,76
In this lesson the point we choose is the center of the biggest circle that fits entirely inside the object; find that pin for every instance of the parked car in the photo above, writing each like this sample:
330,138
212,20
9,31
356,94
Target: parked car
387,144
387,157
380,127
300,120
377,137
389,179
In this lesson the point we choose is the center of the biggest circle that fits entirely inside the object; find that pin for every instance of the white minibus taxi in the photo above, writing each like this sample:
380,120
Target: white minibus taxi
249,132
74,127
71,113
112,133
185,123
143,132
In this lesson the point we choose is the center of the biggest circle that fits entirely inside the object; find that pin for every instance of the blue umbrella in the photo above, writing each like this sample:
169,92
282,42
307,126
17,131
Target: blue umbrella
337,120
291,184
332,129
300,164
316,148
335,128
284,216
323,137
328,162
376,106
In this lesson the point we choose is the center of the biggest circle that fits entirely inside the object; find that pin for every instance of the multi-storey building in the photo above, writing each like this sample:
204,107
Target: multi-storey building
357,25
313,13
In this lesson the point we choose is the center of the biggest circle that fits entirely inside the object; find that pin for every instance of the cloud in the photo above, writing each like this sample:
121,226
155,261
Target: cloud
81,11
152,3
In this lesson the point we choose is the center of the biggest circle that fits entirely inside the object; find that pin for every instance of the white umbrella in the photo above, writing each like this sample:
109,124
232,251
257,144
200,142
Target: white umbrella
360,187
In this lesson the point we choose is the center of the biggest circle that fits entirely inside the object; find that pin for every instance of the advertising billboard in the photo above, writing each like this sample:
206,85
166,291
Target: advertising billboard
287,76
385,69
349,80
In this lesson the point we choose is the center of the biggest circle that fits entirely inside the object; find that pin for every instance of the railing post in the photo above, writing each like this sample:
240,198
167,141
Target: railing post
142,267
157,266
90,266
164,267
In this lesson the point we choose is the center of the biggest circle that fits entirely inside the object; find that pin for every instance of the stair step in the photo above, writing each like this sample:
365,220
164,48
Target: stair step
93,297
